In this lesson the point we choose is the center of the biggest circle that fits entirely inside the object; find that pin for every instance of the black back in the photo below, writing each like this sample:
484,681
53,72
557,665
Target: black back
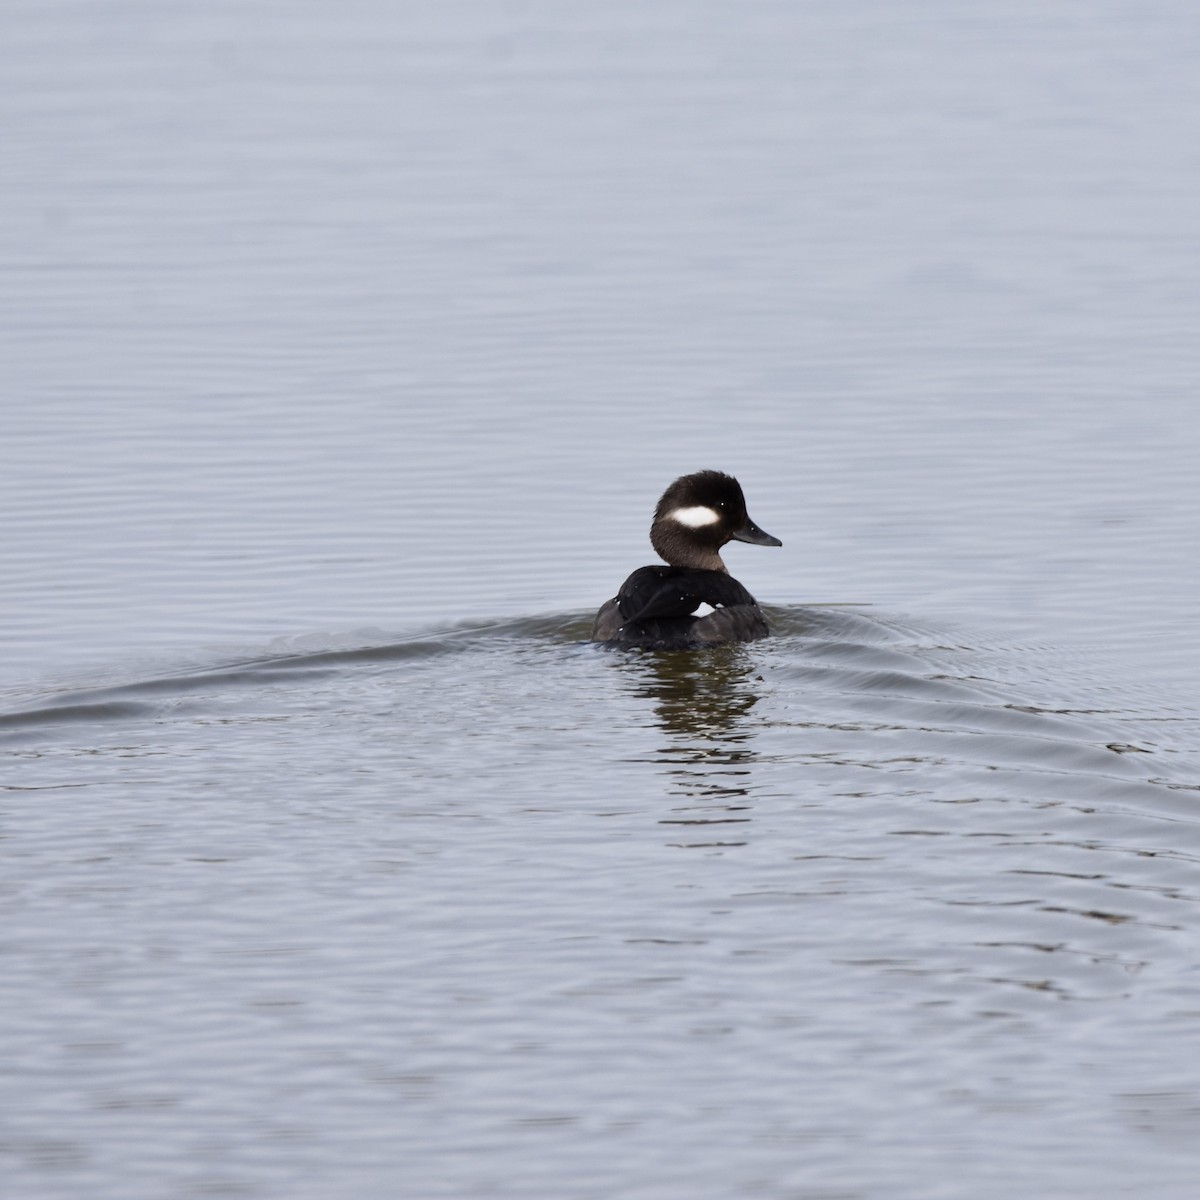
651,593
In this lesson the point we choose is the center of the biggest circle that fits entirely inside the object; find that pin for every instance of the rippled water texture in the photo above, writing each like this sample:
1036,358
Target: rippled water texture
344,350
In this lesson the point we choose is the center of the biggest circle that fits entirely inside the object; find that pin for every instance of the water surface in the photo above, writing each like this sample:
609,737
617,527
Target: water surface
345,350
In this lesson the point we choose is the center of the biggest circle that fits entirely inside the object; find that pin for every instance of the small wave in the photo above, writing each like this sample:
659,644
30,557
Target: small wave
842,664
308,659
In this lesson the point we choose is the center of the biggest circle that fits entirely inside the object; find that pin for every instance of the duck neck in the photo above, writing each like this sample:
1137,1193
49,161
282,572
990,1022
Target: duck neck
681,551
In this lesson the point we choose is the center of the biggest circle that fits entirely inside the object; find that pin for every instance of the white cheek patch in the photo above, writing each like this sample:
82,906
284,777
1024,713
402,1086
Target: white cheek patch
695,518
704,610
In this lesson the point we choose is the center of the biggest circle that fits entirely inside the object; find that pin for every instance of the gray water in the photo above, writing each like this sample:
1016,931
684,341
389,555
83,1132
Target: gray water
344,350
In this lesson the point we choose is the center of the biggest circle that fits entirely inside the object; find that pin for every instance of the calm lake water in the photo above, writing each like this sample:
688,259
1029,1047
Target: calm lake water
344,351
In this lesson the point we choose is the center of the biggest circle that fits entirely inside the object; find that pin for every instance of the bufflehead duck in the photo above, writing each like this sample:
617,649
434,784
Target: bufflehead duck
696,516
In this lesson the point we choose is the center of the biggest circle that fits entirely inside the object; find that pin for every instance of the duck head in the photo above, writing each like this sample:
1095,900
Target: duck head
697,515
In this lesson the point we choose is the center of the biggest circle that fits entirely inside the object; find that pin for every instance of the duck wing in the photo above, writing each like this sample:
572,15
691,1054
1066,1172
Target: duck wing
652,593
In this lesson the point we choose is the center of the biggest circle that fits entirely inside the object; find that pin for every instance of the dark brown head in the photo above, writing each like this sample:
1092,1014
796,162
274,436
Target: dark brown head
697,515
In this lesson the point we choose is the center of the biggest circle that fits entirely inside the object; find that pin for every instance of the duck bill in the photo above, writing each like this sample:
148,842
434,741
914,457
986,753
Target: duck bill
755,536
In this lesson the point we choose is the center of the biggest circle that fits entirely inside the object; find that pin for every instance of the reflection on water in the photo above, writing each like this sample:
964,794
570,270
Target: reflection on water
702,700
